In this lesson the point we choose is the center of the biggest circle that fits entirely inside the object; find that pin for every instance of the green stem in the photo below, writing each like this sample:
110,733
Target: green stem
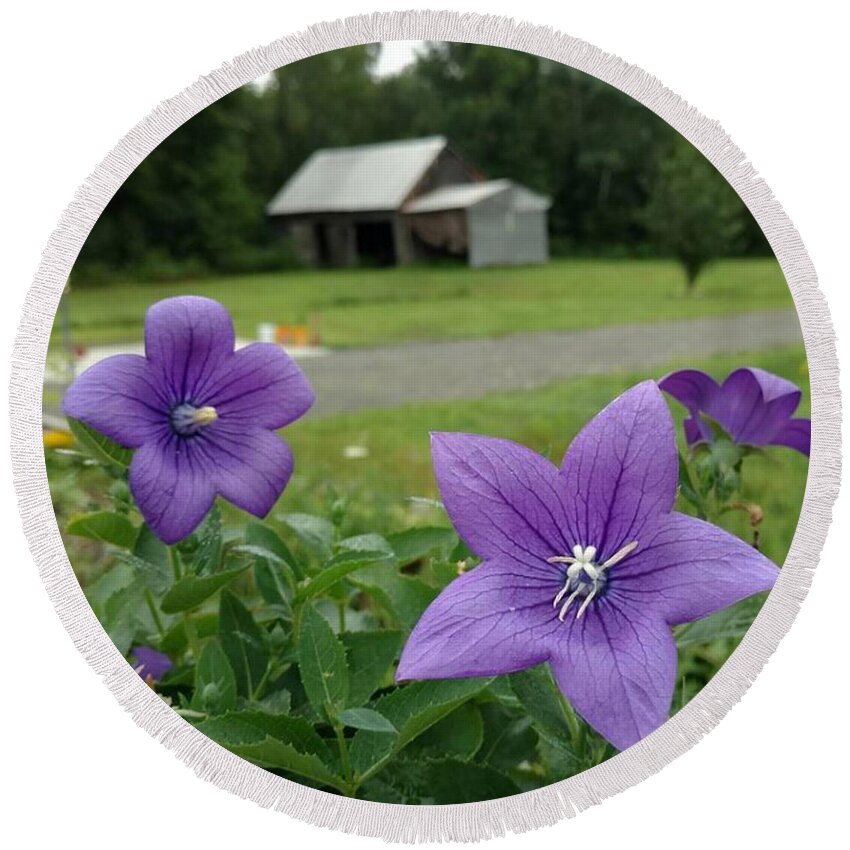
154,612
176,567
345,759
571,717
192,637
257,693
341,607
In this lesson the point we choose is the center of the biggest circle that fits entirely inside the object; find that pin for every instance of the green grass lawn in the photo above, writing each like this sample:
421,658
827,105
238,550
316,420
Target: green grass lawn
367,307
398,466
381,489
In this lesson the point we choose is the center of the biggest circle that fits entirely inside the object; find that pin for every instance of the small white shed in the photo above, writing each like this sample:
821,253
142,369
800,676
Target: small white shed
495,222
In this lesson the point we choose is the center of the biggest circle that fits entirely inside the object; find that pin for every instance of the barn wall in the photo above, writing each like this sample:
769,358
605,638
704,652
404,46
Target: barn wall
501,236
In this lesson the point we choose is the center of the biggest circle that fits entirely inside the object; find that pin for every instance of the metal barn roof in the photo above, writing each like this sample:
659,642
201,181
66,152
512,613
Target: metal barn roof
357,179
465,195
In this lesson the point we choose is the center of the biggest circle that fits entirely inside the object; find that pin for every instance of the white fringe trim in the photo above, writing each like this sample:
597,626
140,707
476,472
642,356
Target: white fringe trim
474,821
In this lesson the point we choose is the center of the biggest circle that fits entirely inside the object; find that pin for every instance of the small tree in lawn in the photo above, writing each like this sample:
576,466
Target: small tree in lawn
692,213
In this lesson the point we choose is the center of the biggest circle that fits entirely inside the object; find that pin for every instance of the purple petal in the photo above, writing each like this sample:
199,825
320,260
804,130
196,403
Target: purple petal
753,405
691,388
500,496
252,466
696,430
173,484
795,434
259,385
617,667
685,569
620,471
150,664
119,398
493,620
186,339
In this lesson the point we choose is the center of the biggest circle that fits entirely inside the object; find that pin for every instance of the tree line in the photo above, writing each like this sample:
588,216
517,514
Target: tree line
622,181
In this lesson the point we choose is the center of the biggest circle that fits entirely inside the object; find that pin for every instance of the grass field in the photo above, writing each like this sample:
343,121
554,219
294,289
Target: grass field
368,307
397,465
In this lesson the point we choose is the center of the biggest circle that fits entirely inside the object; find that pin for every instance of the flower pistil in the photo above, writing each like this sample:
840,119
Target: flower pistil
585,577
187,420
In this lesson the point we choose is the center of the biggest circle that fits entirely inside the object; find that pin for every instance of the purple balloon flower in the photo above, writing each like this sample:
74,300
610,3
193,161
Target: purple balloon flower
586,567
200,415
752,406
150,664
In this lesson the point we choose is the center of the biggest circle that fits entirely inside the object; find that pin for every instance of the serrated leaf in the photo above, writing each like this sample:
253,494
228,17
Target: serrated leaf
315,533
321,663
415,543
191,591
411,709
459,735
732,622
215,682
337,568
157,576
370,656
150,556
119,578
244,643
104,526
99,447
368,719
276,742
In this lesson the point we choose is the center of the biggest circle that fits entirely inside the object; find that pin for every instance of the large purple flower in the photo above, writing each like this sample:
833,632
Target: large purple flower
752,406
585,566
200,415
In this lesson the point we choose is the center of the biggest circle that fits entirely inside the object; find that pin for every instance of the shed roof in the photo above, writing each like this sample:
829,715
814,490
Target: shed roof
464,195
357,179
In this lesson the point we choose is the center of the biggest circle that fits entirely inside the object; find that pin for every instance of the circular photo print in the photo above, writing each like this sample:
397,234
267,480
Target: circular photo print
426,422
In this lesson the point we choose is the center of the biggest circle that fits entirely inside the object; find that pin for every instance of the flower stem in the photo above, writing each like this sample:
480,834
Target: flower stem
345,759
176,566
154,612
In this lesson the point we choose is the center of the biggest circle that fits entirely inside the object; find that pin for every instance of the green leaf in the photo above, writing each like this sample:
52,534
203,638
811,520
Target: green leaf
411,709
321,662
99,447
366,718
276,742
508,740
207,556
243,642
415,543
732,622
370,656
215,682
336,569
119,578
459,735
371,543
452,781
175,640
104,526
273,564
405,597
315,533
191,591
538,695
158,577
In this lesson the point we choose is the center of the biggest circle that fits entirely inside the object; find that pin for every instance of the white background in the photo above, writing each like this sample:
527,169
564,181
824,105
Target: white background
77,76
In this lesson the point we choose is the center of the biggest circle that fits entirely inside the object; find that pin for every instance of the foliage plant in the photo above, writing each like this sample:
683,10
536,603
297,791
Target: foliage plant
280,639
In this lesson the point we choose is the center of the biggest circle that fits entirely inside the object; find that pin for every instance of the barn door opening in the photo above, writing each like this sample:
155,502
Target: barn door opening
375,244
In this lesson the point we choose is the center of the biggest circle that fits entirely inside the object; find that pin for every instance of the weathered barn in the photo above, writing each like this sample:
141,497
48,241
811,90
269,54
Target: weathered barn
401,201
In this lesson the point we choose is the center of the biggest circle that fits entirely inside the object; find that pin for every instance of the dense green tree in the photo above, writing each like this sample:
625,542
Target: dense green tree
692,213
619,177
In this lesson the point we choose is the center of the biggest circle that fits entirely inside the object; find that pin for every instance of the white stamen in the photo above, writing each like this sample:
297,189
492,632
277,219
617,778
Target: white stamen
204,416
567,604
623,553
587,600
584,577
